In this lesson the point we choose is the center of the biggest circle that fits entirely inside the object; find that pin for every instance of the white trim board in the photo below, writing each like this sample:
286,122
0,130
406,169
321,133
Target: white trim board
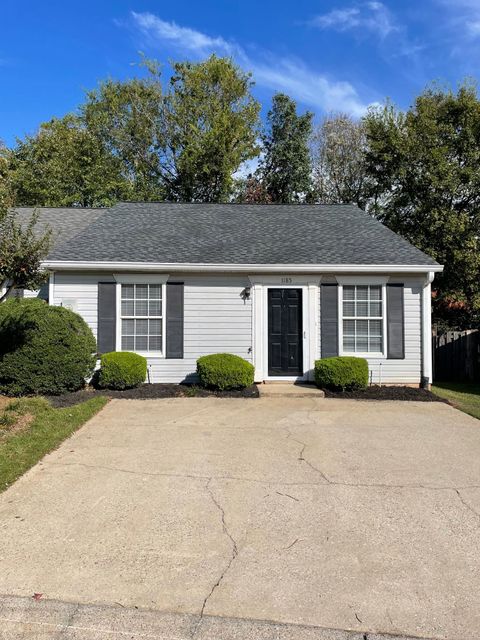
68,265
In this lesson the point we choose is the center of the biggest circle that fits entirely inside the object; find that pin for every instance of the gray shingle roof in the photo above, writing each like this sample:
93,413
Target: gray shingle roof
229,234
64,222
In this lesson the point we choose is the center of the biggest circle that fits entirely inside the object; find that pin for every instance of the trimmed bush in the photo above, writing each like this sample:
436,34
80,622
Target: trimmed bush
121,370
43,349
224,371
341,372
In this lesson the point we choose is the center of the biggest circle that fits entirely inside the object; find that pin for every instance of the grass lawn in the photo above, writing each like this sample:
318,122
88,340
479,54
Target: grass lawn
31,427
464,396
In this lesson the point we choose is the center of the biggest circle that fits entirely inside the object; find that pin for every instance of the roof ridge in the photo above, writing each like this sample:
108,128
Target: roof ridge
242,204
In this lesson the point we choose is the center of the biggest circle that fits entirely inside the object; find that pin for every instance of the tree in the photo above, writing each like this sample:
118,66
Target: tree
251,190
338,157
425,171
64,164
126,116
21,253
286,168
211,127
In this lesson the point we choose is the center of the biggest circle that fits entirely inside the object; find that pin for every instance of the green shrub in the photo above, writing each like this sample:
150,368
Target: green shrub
224,371
43,349
121,370
341,372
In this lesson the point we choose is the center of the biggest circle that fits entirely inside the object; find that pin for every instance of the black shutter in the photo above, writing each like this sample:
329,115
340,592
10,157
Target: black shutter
329,319
174,311
107,317
395,322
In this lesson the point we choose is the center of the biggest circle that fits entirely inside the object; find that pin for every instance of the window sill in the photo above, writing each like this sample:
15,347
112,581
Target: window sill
370,354
147,354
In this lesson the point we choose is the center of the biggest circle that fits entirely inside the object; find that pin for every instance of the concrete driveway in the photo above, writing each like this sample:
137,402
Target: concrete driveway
232,519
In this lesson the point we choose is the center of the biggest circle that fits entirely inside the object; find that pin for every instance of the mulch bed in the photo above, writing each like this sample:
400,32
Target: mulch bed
150,392
387,393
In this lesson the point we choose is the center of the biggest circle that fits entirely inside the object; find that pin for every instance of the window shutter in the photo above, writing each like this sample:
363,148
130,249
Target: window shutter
174,311
107,317
329,320
395,322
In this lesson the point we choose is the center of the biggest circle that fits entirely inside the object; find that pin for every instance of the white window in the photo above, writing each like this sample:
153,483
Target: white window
362,319
141,317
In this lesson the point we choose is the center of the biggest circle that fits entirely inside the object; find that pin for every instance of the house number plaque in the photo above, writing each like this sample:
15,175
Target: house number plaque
286,280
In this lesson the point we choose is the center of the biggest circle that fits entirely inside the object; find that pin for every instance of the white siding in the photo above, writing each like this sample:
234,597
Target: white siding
216,317
408,370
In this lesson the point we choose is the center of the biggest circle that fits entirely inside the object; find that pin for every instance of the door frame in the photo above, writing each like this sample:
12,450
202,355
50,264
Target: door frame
310,323
301,330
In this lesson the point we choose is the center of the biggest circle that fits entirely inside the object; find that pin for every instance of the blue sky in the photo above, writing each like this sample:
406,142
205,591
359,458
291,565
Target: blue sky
329,55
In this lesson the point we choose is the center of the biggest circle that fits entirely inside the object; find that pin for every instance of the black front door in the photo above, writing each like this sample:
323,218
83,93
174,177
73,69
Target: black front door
285,351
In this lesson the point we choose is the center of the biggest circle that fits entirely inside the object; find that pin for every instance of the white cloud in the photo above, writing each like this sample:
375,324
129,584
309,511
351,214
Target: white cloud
370,16
284,74
181,37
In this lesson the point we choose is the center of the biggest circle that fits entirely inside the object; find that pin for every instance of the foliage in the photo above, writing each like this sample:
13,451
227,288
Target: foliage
121,370
341,372
286,168
224,371
43,349
424,166
65,164
251,190
21,449
126,116
211,122
338,148
6,195
22,250
463,395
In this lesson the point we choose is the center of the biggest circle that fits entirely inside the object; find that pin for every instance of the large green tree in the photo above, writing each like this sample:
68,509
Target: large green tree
126,117
425,171
338,148
285,169
65,164
211,127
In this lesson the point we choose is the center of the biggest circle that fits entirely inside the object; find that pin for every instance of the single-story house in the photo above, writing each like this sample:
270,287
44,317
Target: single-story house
278,285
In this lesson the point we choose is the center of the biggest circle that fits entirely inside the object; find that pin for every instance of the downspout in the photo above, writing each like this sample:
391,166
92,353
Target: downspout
426,380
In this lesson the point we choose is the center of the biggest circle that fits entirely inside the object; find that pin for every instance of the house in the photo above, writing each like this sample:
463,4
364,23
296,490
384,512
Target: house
278,285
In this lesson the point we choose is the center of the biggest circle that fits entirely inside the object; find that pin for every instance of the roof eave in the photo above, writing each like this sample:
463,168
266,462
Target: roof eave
71,265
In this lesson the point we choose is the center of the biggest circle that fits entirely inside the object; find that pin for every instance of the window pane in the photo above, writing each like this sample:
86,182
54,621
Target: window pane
155,343
127,291
348,343
141,343
375,344
128,343
376,328
362,343
362,293
141,291
376,309
349,327
348,292
141,307
375,293
348,308
155,327
362,308
128,327
155,291
141,327
362,327
127,308
155,308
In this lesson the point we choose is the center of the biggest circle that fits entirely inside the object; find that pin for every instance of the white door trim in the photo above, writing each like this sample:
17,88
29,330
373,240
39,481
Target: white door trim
310,323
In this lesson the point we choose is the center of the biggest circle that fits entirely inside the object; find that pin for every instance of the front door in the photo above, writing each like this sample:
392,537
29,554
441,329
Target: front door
285,349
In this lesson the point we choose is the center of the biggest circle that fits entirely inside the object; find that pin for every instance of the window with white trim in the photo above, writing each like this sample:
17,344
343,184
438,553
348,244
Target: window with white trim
141,317
362,319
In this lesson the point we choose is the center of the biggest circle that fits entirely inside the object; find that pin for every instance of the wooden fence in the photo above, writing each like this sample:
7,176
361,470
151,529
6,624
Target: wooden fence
456,355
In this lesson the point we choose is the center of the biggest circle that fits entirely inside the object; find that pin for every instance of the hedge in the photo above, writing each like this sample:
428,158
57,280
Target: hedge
121,370
224,371
43,349
341,372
